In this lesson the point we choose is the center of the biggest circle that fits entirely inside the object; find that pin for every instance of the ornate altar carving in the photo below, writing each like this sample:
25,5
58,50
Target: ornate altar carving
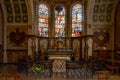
63,53
59,66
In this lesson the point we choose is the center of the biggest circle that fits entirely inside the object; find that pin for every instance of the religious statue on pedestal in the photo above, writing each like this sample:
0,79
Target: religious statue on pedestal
60,43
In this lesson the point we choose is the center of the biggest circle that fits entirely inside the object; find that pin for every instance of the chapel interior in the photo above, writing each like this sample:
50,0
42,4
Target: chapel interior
76,39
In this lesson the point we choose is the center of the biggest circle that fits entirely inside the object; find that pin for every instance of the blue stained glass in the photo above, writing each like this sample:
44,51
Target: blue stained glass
73,13
59,21
77,20
43,20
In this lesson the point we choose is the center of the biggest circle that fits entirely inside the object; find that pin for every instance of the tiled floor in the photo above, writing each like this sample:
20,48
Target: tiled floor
12,69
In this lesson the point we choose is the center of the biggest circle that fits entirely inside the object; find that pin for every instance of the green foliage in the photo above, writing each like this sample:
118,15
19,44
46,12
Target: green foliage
37,69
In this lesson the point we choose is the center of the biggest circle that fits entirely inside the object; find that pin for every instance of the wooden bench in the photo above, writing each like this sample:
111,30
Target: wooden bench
9,76
114,69
103,75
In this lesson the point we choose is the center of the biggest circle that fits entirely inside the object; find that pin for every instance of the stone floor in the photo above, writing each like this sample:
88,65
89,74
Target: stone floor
10,72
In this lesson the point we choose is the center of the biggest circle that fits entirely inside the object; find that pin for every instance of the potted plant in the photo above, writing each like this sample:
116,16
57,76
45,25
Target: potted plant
37,69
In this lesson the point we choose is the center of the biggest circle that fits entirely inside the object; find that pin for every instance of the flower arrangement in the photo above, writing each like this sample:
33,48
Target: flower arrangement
37,69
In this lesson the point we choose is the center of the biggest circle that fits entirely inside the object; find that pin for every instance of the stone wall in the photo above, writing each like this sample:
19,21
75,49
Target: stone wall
117,28
0,26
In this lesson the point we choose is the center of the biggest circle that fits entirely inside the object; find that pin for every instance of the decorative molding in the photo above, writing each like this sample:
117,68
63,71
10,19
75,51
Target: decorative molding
17,37
101,37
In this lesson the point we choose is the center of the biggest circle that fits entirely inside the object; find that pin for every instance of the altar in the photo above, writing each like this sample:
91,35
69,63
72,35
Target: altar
59,66
59,58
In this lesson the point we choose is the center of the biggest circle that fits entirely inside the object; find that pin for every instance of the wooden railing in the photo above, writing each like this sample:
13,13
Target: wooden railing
111,58
1,54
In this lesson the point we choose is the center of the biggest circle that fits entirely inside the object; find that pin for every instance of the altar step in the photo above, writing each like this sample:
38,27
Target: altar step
71,73
12,69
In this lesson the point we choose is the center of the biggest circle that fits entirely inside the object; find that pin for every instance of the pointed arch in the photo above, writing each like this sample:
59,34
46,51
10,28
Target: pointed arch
77,20
43,14
59,21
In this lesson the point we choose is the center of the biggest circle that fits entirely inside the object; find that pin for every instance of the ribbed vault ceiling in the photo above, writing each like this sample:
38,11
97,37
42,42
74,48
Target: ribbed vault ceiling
16,11
102,11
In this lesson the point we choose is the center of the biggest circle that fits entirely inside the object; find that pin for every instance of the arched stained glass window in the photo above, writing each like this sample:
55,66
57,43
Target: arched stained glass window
43,20
77,20
59,21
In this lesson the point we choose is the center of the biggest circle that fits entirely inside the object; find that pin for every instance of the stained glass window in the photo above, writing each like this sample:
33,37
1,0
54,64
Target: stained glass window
43,20
59,21
77,20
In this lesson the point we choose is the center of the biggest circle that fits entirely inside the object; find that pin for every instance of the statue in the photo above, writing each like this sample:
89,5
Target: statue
76,53
42,52
60,43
